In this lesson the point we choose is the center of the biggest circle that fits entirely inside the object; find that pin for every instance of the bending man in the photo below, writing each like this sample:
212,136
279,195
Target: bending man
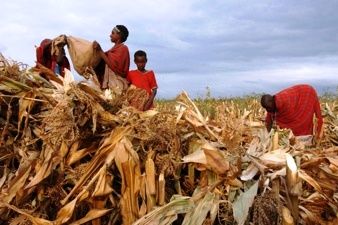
294,108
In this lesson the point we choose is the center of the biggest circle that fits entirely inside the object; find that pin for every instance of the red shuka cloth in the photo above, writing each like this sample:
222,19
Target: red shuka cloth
120,59
295,108
44,57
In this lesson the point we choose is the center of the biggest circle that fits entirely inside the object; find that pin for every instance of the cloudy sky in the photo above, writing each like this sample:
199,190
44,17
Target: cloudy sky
232,47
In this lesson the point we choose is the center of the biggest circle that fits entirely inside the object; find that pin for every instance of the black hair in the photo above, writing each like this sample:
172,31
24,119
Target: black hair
265,100
140,53
123,31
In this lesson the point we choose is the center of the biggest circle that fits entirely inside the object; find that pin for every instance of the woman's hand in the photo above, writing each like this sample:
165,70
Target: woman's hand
97,46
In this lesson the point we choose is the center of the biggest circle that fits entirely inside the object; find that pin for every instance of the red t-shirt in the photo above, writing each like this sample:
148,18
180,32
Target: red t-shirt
146,81
295,108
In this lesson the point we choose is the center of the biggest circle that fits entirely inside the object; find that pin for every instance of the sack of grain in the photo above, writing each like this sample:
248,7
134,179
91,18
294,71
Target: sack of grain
82,54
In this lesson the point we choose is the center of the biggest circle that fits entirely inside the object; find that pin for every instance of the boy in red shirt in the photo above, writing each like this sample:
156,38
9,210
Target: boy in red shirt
144,79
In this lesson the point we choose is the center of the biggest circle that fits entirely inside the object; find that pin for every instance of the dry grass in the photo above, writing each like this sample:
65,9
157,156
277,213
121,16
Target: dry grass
71,154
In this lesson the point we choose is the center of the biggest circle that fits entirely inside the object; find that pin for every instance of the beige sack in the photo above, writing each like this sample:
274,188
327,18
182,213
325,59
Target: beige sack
56,41
82,54
113,81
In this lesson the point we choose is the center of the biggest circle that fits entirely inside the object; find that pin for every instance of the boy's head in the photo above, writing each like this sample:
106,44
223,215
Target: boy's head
140,59
123,31
140,53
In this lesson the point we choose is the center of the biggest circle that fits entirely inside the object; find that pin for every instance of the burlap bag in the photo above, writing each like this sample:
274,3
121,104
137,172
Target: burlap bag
113,81
82,54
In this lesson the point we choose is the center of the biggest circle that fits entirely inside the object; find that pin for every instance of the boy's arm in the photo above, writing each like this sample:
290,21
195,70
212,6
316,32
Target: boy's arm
151,98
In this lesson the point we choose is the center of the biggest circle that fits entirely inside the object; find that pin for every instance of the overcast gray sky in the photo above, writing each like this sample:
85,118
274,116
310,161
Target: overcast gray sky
233,47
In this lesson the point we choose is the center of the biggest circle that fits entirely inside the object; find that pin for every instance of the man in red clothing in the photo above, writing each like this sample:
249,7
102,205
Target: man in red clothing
294,108
144,79
55,62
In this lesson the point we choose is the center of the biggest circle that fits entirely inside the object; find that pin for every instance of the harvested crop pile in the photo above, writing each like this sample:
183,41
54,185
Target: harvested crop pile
72,154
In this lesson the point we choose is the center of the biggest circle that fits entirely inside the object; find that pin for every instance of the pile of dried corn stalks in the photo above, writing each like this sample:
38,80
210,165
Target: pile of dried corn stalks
72,154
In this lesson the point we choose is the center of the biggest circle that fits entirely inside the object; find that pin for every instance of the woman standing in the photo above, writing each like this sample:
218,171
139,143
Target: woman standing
114,67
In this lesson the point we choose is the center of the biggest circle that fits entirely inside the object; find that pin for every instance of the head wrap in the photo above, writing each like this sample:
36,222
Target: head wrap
116,30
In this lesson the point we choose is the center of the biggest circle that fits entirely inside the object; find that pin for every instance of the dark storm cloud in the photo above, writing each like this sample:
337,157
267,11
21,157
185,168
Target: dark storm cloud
232,48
